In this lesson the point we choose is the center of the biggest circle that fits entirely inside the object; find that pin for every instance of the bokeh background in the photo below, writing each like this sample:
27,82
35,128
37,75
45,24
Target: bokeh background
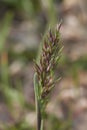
23,24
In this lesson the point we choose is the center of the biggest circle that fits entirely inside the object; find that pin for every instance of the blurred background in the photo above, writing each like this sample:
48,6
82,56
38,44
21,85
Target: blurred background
23,23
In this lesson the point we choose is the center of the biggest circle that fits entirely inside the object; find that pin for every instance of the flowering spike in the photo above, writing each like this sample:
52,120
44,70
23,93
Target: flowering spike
49,58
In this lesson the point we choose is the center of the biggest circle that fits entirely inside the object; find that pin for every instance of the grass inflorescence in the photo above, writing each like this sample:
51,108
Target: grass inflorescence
45,71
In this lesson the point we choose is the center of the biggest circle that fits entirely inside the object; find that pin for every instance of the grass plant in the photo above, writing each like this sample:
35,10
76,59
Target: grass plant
44,78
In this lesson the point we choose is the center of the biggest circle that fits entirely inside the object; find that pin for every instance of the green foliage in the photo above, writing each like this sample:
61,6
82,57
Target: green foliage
27,7
57,124
4,31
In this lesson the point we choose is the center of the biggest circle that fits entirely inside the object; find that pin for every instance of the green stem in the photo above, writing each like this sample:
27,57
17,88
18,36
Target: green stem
37,102
41,124
38,117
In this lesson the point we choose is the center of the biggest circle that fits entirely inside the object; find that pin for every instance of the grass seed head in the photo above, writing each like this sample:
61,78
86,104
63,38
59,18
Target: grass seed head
48,60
